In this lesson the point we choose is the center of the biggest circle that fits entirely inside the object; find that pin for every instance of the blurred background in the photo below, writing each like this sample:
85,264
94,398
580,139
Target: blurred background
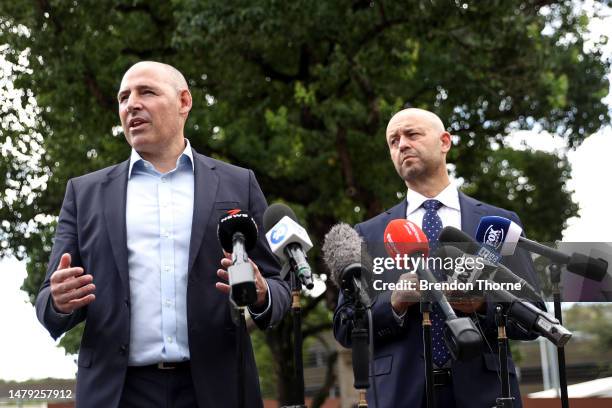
301,93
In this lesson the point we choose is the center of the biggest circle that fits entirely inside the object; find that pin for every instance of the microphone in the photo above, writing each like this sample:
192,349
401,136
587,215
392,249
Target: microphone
403,237
342,253
288,240
531,319
237,233
501,232
462,338
342,250
493,272
527,316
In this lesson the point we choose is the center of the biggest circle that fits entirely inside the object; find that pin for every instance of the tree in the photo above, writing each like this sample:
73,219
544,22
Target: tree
300,92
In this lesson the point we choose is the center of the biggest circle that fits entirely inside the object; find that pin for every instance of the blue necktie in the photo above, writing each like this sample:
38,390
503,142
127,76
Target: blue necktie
432,225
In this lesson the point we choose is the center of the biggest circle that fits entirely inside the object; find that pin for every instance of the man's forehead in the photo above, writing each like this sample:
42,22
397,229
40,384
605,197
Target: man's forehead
140,76
404,122
414,119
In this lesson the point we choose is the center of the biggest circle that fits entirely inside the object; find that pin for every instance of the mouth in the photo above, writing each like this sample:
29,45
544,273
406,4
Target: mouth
407,158
137,124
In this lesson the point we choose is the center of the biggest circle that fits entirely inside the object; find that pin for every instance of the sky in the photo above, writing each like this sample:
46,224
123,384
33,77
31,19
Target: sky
27,351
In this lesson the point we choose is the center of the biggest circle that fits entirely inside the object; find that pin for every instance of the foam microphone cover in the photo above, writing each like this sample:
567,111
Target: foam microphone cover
341,248
403,237
234,221
275,213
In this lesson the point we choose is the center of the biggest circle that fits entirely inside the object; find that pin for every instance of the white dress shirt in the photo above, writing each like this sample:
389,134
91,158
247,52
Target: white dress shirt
159,212
450,212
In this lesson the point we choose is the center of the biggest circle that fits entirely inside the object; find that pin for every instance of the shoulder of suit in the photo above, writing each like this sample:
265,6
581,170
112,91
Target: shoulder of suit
378,220
220,165
491,209
98,175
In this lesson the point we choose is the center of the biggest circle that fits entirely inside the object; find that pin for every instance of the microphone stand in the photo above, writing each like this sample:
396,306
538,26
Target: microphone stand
361,354
238,313
506,400
426,308
555,278
296,314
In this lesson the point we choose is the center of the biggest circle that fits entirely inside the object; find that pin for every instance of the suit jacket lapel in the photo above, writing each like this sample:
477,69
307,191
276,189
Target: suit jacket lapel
399,211
206,183
114,193
471,212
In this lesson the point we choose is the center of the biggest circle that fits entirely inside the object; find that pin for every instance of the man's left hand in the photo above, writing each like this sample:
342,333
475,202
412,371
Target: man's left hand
260,283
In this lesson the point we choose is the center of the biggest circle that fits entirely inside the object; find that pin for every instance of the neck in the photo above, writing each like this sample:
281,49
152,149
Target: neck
165,160
430,186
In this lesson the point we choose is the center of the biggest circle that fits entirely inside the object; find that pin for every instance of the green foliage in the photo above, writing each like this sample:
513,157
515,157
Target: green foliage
300,92
595,319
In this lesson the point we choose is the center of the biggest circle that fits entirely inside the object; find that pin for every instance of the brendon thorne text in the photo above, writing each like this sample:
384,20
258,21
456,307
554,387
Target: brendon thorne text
423,285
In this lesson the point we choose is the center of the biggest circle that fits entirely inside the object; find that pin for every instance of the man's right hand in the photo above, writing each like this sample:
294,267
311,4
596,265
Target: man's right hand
402,299
70,289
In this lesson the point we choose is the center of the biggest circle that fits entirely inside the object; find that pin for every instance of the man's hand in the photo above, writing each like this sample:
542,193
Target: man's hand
402,299
260,283
70,289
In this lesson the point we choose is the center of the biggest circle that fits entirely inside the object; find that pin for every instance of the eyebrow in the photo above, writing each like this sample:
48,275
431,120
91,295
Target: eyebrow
405,129
137,87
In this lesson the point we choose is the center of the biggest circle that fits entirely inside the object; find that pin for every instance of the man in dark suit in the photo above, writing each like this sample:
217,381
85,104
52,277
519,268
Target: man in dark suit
418,144
136,256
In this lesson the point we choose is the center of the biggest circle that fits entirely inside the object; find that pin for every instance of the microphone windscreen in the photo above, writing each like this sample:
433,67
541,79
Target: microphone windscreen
234,221
403,237
342,247
275,213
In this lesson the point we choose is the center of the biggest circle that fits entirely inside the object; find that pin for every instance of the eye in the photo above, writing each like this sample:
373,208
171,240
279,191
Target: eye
122,98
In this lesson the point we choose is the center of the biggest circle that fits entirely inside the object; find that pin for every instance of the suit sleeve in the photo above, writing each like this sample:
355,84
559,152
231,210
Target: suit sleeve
522,265
65,241
386,325
278,290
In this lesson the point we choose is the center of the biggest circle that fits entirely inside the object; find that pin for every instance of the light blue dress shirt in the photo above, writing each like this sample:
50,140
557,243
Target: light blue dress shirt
159,212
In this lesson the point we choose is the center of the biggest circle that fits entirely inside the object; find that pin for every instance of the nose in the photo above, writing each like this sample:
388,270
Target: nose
404,143
133,103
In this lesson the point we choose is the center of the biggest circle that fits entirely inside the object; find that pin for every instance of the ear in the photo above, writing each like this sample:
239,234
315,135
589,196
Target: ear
185,102
445,141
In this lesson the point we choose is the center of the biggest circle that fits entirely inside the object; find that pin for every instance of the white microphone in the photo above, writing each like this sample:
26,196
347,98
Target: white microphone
288,240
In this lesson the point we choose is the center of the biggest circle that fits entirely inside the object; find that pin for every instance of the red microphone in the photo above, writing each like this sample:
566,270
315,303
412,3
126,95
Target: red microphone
405,237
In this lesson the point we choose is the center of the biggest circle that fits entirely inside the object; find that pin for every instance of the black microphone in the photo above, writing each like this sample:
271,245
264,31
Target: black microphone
342,253
237,233
288,240
531,319
495,272
527,316
505,233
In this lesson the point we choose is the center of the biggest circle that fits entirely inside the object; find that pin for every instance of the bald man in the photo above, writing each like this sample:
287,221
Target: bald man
136,257
418,145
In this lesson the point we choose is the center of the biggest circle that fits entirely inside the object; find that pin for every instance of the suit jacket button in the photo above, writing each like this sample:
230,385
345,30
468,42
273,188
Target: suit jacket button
127,302
123,349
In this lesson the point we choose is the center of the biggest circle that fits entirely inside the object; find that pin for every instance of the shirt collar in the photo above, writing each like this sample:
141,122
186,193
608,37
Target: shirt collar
135,157
449,197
